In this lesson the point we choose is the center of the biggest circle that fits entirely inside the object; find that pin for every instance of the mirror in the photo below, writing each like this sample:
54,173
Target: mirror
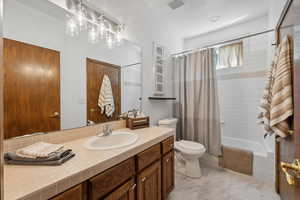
53,80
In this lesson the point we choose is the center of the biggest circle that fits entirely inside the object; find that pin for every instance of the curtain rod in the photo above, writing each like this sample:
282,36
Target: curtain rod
223,42
132,64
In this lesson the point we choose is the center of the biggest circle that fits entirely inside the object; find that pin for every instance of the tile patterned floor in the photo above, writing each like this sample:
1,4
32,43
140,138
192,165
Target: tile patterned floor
218,184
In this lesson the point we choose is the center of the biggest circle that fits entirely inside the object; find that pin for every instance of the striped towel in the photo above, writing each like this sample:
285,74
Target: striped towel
106,98
277,102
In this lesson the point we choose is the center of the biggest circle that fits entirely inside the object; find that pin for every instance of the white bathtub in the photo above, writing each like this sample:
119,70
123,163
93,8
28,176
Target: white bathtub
257,148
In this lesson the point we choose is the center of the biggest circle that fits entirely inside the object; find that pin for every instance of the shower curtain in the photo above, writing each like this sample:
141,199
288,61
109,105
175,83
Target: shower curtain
197,105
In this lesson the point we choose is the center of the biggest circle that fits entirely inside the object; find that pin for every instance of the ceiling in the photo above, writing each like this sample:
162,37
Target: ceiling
195,16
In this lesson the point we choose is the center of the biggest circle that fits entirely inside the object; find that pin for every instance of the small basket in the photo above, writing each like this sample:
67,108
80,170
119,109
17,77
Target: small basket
136,123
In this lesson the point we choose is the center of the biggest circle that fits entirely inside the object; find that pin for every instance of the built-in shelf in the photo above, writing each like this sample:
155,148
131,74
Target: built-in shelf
162,98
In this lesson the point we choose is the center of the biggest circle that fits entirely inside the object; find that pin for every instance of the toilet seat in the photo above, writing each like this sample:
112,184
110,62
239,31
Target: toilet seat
189,147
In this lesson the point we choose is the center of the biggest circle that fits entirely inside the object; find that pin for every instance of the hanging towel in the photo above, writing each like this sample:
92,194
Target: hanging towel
106,98
277,102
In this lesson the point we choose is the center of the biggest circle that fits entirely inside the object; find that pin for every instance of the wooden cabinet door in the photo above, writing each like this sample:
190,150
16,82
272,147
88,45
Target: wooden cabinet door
167,174
125,192
75,193
149,183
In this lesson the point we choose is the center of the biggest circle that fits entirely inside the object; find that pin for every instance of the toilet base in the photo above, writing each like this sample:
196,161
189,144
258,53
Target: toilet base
187,167
192,168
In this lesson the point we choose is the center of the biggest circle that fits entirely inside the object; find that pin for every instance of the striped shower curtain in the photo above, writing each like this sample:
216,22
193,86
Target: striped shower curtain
197,105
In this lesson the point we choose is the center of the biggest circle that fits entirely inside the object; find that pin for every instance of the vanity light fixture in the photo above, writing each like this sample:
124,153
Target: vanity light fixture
82,18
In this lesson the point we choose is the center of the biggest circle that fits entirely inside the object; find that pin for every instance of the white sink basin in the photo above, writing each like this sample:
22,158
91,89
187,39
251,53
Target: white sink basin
117,139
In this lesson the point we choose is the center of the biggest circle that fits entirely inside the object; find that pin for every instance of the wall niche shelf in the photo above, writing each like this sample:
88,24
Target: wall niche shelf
162,98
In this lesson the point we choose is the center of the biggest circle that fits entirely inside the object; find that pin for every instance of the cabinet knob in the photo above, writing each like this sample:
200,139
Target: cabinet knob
133,186
144,179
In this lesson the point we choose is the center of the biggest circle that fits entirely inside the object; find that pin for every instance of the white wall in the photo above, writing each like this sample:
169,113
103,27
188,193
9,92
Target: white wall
31,26
252,26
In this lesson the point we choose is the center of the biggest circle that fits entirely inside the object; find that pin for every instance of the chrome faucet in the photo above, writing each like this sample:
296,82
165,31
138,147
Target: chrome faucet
107,130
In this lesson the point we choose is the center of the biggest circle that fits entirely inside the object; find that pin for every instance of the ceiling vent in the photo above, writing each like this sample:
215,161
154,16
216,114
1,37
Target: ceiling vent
176,4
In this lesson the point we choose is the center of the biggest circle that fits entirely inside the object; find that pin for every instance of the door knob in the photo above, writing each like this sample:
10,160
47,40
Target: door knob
291,171
93,110
55,115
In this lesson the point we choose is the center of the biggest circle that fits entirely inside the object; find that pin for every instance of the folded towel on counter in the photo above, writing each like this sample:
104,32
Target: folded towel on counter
106,98
56,159
39,150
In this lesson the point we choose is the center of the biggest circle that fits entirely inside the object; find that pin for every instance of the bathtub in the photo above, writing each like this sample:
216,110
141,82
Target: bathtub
263,159
258,149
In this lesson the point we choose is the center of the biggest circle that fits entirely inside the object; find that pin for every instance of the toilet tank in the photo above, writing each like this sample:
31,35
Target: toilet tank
170,123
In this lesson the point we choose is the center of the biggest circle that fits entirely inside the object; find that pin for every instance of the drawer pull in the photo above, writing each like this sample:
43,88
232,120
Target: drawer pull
167,160
133,187
144,179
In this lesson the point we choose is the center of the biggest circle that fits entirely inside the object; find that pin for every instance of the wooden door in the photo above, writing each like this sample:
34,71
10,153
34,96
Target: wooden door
125,192
289,149
167,174
95,73
31,89
75,193
149,183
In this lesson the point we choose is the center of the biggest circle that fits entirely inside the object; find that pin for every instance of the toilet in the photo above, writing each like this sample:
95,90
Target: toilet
189,152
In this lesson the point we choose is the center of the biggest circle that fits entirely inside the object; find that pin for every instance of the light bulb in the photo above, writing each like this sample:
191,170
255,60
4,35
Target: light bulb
102,28
81,18
72,27
119,37
109,41
93,35
119,33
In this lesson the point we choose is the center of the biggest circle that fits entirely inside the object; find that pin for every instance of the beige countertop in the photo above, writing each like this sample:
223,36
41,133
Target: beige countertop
43,182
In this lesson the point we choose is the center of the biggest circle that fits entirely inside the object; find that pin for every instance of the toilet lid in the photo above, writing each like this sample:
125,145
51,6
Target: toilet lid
194,146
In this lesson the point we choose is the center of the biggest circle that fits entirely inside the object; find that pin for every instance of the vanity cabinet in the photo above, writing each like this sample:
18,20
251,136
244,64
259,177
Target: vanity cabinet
149,175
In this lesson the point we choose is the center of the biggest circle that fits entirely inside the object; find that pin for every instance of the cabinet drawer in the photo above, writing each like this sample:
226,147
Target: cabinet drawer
102,184
75,193
168,145
148,156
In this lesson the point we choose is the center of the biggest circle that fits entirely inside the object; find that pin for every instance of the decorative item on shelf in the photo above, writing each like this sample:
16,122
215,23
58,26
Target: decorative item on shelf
99,27
137,123
158,69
